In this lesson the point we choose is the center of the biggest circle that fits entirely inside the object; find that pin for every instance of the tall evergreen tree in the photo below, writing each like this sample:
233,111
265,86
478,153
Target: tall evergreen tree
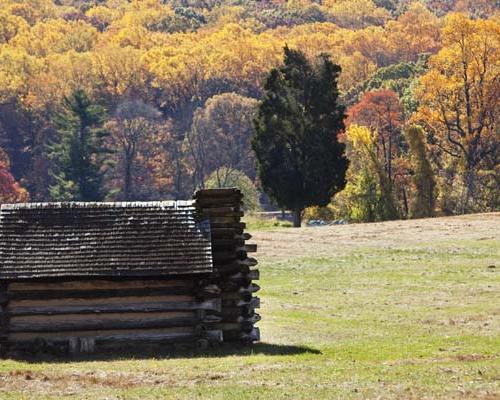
77,151
299,159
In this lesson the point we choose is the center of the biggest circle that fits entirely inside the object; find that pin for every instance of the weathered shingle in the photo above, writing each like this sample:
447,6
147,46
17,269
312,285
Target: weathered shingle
102,239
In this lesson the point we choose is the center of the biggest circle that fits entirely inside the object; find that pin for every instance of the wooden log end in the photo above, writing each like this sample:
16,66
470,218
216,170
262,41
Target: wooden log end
254,335
214,335
250,248
254,275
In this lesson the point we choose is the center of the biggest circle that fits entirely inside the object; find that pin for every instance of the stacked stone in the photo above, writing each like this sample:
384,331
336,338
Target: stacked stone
233,268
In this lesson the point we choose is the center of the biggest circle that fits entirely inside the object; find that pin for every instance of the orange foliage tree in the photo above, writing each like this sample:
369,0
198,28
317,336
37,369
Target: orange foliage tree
381,111
459,107
10,190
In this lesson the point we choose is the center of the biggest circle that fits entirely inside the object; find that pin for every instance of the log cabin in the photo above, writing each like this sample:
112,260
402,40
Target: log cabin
84,276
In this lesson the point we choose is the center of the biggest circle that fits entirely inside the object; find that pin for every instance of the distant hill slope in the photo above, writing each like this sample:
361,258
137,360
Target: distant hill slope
332,240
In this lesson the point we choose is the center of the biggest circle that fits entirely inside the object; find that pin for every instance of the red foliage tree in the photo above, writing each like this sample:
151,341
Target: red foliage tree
10,190
381,111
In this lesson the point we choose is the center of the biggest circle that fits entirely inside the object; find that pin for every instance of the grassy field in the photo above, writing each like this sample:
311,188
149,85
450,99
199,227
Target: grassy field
406,309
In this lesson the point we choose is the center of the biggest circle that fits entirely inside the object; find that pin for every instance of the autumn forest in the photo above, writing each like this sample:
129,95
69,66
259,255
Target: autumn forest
170,91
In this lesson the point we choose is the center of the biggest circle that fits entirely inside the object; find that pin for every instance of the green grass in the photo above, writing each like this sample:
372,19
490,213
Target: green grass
411,320
256,222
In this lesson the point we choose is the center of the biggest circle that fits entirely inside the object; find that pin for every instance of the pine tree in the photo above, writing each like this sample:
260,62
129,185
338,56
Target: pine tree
77,152
299,159
423,176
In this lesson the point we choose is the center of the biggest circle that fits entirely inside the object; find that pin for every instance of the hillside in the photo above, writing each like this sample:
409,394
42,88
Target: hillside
405,309
332,241
180,83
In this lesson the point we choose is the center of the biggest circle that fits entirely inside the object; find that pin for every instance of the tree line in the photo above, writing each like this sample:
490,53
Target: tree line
151,99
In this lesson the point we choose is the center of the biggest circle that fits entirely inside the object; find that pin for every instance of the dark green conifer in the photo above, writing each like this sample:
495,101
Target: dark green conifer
77,151
299,158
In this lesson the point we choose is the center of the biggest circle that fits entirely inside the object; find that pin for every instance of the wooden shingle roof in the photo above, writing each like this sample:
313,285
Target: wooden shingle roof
46,240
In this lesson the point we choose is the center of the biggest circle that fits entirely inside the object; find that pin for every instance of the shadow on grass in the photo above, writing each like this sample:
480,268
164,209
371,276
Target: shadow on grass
156,352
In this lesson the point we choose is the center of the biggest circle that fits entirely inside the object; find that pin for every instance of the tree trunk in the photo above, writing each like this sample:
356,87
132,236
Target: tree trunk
469,183
405,203
297,218
127,184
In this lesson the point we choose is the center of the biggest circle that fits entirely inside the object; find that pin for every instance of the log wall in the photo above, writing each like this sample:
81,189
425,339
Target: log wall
84,314
233,267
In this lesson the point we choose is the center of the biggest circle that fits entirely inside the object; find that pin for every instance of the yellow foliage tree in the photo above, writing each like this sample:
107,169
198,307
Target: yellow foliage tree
369,191
415,32
15,68
356,14
10,26
459,100
56,36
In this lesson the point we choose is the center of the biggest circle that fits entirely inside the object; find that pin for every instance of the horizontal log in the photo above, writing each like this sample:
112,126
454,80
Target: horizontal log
224,220
238,227
60,294
254,302
212,304
227,233
233,313
239,336
209,290
4,322
250,248
222,212
218,201
231,268
41,323
235,326
235,285
253,336
236,296
112,335
250,261
211,318
222,236
222,192
227,243
205,204
252,288
90,301
224,258
235,266
252,275
125,341
244,236
101,284
214,335
96,323
229,256
252,319
229,248
37,319
239,289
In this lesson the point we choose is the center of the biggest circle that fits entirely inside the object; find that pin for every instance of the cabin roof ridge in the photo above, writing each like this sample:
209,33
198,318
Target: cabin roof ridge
97,204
